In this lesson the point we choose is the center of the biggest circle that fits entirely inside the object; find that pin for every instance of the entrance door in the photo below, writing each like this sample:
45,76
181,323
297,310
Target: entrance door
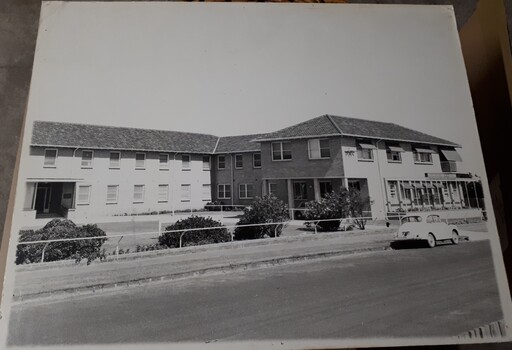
300,194
43,197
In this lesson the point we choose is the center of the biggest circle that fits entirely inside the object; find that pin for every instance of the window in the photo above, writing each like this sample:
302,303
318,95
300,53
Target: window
423,155
221,162
112,194
185,162
140,160
394,153
256,160
163,193
319,149
185,193
87,159
365,151
411,219
433,219
206,162
138,193
281,151
272,189
84,194
115,160
164,161
239,161
224,192
245,191
325,188
50,158
207,193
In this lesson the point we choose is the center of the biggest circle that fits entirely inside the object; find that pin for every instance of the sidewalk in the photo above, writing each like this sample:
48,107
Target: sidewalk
178,263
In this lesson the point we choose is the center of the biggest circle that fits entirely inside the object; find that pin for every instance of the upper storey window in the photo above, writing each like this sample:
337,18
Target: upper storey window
87,157
423,155
281,151
50,158
140,160
365,151
319,149
394,153
221,162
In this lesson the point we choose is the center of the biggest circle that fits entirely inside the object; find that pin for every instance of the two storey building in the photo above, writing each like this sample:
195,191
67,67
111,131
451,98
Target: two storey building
84,171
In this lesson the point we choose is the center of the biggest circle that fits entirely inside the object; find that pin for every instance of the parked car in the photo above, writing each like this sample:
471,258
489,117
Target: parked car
427,227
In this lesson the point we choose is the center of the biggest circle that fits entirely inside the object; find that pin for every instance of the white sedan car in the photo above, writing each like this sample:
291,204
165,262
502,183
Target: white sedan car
427,227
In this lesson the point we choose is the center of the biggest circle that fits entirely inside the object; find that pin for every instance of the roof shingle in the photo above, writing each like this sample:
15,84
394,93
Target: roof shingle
243,143
108,137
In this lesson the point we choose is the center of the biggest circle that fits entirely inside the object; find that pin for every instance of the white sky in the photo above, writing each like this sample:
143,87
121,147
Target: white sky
230,69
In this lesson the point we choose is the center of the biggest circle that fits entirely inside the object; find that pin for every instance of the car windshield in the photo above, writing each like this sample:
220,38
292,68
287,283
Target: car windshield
411,219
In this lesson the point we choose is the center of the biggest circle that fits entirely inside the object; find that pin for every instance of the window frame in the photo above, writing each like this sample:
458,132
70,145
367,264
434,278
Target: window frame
143,161
281,151
270,184
110,160
319,144
143,193
209,192
254,160
360,149
241,156
417,157
78,202
166,200
246,191
117,195
166,165
189,162
54,165
223,191
91,160
391,153
209,163
189,186
218,162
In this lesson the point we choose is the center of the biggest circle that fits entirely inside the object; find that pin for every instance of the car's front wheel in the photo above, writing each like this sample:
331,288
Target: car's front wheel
431,240
455,237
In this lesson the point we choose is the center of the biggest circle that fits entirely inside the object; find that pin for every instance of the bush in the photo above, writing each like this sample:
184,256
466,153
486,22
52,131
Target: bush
337,205
59,229
263,210
192,238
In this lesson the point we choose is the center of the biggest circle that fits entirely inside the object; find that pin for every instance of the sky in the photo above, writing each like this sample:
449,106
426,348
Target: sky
229,69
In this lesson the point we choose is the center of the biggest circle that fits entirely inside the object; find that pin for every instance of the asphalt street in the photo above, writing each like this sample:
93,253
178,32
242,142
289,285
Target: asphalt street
400,293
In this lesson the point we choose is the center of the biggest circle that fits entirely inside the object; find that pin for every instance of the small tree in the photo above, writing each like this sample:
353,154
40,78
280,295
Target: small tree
196,237
89,249
337,205
266,209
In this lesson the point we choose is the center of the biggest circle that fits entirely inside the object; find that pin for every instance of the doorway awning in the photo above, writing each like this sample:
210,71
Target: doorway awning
396,149
366,145
424,150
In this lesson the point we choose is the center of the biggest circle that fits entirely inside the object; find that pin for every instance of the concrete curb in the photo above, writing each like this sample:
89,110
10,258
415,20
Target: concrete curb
211,270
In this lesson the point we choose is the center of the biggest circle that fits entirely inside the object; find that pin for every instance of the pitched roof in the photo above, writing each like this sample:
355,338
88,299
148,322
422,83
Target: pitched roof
319,126
329,125
242,143
108,137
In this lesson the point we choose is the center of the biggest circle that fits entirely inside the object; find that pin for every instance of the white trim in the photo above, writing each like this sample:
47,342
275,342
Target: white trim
78,202
246,191
277,139
143,193
117,195
224,191
319,148
189,187
166,186
209,163
218,162
280,151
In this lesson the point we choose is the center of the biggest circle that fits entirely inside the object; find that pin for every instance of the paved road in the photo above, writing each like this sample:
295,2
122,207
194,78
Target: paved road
406,293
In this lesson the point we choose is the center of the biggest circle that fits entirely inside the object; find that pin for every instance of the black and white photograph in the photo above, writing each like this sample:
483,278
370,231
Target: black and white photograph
251,175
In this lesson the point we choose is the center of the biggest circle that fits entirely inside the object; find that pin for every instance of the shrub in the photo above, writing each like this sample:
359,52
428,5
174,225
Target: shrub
59,229
336,205
263,210
192,238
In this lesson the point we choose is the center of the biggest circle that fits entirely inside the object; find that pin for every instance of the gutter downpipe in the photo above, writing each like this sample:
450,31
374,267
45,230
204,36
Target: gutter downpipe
381,180
173,169
232,181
